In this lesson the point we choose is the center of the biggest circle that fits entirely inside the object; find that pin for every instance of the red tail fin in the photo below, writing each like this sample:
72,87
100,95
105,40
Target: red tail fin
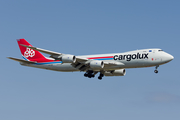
29,54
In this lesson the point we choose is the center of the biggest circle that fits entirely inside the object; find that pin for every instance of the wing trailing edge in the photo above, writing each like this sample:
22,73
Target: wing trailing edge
42,50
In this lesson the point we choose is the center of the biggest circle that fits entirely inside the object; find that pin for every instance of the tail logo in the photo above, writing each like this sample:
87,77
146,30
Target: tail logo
29,53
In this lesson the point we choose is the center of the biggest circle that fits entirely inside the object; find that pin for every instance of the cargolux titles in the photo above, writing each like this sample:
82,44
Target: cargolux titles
129,57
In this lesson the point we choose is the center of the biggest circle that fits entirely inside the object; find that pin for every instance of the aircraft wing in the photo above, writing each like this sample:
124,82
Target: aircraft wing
42,50
20,60
81,63
53,54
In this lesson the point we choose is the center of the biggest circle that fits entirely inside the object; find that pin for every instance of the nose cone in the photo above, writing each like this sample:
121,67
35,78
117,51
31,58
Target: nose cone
171,57
168,57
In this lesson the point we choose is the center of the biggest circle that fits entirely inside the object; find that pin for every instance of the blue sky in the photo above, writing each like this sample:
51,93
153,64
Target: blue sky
89,27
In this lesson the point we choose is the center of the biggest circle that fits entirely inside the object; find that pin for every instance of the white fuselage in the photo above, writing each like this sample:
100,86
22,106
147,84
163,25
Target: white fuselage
132,59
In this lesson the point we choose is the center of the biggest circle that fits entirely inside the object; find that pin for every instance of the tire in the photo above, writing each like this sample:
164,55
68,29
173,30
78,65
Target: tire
156,71
100,78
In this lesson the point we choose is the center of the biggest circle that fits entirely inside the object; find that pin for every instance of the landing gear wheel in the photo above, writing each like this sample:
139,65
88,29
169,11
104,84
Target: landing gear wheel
156,71
100,78
85,75
89,74
93,76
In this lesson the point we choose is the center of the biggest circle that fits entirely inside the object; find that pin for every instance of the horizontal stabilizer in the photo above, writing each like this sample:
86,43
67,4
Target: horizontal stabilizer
20,60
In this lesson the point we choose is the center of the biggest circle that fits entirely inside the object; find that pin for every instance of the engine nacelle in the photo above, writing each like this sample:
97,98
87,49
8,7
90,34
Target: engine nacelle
68,59
96,64
120,72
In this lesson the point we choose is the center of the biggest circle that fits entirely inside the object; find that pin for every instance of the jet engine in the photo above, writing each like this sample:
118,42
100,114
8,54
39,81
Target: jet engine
68,59
96,64
120,72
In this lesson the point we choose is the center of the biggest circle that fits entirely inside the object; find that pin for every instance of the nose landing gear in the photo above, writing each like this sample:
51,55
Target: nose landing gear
156,71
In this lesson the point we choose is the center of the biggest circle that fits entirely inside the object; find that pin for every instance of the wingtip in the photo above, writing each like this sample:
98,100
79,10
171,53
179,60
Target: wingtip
10,58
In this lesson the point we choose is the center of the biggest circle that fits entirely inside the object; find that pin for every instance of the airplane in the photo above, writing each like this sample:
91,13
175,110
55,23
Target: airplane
106,64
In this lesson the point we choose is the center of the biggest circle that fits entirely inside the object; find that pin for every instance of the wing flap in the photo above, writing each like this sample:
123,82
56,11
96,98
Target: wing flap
81,60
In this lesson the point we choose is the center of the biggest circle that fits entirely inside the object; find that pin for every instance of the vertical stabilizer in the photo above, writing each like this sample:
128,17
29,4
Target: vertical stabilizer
30,54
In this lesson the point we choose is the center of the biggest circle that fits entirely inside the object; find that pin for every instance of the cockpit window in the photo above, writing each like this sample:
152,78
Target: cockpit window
160,50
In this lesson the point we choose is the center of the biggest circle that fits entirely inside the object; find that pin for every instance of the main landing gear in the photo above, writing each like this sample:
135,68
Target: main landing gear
156,71
100,76
91,74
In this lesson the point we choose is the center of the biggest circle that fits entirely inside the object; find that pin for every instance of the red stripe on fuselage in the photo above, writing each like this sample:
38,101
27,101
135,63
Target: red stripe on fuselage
100,57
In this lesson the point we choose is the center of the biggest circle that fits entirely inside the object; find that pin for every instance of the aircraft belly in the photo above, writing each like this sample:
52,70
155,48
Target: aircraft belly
113,67
64,67
139,63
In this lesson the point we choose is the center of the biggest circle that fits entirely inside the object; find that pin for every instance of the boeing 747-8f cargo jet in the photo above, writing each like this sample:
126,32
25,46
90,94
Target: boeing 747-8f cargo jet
106,64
